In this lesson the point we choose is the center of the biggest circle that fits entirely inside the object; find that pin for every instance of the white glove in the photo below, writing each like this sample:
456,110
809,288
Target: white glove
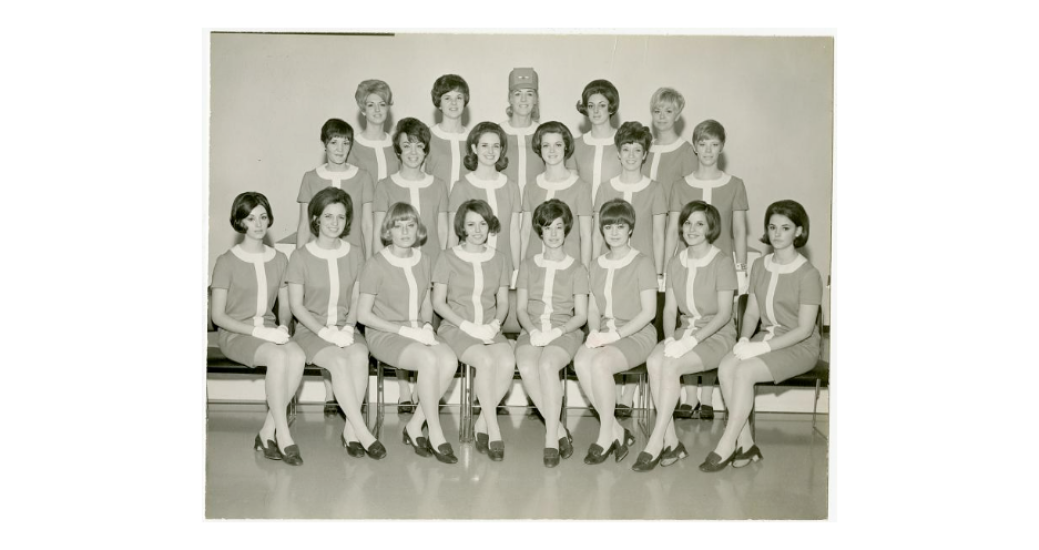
551,335
742,281
344,337
661,279
677,348
417,334
593,339
328,334
598,339
496,326
430,335
746,350
480,332
275,335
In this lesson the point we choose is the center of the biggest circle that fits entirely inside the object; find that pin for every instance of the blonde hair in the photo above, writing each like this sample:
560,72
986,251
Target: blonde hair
401,212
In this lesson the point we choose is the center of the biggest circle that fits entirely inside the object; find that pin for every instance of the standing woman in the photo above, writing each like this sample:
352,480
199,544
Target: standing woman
786,292
700,283
394,307
471,294
621,336
593,154
552,306
323,292
671,158
524,115
554,145
373,149
246,281
447,148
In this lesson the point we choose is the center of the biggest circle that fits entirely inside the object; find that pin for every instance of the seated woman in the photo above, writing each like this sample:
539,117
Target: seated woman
786,291
323,294
620,313
246,281
395,309
700,283
552,306
471,294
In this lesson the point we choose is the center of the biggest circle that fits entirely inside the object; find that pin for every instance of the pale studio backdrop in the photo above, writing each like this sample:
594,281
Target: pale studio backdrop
270,94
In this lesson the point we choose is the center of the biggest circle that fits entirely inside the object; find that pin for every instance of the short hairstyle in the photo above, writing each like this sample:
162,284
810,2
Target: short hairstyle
335,127
369,87
604,87
535,113
710,213
548,212
796,213
483,209
449,83
401,212
244,204
667,96
325,198
553,127
634,132
480,129
709,128
415,129
616,211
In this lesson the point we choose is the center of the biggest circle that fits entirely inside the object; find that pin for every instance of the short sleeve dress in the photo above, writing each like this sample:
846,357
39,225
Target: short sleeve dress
375,157
355,181
780,291
472,280
669,163
252,281
616,286
726,193
696,283
524,162
502,195
399,286
446,152
596,160
575,192
646,197
428,196
551,287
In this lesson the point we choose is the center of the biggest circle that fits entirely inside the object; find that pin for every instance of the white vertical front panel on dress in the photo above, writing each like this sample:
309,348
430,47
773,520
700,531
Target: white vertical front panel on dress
408,265
690,296
599,145
611,267
550,278
331,258
629,189
257,259
521,144
476,260
380,152
490,187
657,151
337,177
456,155
707,185
775,270
551,187
413,188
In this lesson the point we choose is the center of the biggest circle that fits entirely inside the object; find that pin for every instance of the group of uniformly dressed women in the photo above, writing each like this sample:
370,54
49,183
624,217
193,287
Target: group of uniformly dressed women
586,230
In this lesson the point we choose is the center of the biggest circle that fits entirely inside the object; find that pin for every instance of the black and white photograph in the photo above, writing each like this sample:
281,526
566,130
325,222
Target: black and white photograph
519,276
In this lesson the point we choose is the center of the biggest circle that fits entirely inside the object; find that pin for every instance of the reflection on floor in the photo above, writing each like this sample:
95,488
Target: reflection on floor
790,483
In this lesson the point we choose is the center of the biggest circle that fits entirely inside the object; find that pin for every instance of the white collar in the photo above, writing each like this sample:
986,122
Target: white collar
513,131
384,142
688,262
540,261
420,184
253,257
555,185
416,255
489,185
614,264
707,184
443,134
786,268
589,140
474,257
324,173
334,254
667,148
633,187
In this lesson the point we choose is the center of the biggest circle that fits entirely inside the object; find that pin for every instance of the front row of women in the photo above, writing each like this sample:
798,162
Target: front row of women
330,289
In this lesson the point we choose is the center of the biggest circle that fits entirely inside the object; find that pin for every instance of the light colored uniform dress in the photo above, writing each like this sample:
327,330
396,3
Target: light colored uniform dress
780,291
595,160
503,197
429,197
252,282
355,181
472,280
616,286
376,157
575,192
696,284
328,278
551,287
726,193
647,197
524,162
446,152
399,286
667,164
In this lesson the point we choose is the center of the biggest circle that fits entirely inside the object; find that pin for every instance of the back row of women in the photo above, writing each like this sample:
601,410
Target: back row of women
392,281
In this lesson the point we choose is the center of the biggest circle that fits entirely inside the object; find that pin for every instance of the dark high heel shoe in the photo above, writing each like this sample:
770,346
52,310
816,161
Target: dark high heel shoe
353,448
405,407
419,444
551,457
706,412
622,411
291,454
376,450
645,461
566,445
744,458
669,456
684,411
623,447
270,451
444,453
481,443
596,455
496,450
715,463
331,408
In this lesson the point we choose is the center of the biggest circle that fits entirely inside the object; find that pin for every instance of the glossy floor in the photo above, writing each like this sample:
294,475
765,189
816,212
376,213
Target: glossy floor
790,483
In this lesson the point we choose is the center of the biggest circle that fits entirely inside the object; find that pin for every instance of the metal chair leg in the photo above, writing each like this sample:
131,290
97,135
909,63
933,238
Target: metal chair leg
815,407
465,405
380,412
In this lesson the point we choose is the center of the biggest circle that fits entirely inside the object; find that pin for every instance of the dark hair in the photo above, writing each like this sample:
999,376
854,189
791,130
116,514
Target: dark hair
449,83
335,127
548,212
553,127
483,209
714,219
401,211
244,204
604,87
709,128
414,129
325,198
796,213
634,132
480,129
369,87
616,211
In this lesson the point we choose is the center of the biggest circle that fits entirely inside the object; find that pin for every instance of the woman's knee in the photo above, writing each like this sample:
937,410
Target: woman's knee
655,362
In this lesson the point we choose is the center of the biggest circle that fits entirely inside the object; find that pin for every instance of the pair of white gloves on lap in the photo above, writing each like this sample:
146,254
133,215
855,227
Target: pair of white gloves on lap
484,333
341,337
598,339
278,335
677,348
745,349
424,335
540,338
